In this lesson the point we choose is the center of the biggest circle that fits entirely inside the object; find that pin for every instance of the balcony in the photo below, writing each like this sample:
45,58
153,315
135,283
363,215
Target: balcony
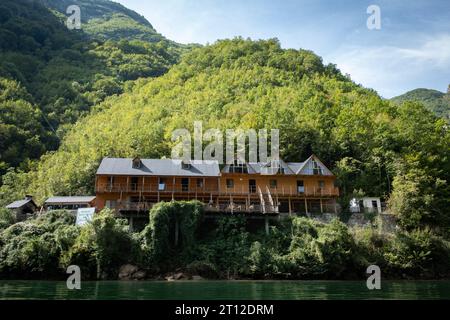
153,188
284,191
233,191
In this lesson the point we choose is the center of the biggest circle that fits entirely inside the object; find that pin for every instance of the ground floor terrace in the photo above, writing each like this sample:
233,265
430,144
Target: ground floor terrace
255,203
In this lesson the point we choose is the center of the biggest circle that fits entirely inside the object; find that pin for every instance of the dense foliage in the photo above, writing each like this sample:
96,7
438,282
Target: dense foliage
51,76
297,248
436,101
108,20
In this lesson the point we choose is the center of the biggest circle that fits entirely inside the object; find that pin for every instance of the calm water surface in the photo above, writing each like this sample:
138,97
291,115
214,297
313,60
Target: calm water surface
233,290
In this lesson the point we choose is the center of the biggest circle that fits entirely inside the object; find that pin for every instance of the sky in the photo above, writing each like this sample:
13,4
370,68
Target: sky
410,50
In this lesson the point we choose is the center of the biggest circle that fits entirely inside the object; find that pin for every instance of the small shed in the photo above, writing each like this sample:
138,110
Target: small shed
366,204
69,203
23,208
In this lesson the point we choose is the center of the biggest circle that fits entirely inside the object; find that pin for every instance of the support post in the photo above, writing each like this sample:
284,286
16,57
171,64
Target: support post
266,222
290,206
306,206
131,226
176,232
321,206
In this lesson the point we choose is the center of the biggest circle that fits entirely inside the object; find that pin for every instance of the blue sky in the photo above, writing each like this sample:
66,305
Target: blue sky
411,50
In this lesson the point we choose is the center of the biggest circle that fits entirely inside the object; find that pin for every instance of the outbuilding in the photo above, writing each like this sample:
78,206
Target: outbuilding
69,203
23,208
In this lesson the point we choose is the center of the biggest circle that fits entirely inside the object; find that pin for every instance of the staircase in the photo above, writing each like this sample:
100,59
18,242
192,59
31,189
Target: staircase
273,207
266,199
262,200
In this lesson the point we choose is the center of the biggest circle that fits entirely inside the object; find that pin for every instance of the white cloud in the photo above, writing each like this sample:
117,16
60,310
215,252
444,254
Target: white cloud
393,70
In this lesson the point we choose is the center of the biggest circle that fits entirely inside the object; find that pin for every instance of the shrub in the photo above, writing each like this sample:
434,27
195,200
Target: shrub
6,218
32,249
103,245
159,234
419,253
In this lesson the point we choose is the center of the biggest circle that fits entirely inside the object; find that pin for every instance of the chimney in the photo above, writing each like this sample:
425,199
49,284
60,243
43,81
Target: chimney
28,197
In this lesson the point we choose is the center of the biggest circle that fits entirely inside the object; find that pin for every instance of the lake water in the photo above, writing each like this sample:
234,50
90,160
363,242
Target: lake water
232,290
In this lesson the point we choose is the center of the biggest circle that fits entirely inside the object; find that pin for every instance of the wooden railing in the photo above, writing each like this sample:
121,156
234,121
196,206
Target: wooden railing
230,208
284,191
153,188
238,191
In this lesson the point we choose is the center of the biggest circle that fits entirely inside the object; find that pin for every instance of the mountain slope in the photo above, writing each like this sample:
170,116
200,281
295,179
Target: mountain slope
63,72
107,20
436,101
247,84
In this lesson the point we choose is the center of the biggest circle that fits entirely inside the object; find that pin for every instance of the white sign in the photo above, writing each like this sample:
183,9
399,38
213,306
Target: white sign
84,215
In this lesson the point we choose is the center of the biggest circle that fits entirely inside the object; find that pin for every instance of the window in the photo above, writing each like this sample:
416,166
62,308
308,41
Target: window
273,183
185,184
111,182
161,184
317,170
321,184
111,204
230,183
199,183
134,183
137,163
185,165
300,186
238,167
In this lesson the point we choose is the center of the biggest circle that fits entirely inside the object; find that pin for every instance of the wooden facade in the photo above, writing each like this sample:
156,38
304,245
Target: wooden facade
307,187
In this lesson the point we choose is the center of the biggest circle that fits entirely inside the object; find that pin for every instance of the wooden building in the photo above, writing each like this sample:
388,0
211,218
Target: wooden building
23,208
69,203
135,185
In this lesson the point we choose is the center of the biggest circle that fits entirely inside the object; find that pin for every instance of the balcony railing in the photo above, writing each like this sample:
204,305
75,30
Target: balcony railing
153,188
236,190
284,191
145,207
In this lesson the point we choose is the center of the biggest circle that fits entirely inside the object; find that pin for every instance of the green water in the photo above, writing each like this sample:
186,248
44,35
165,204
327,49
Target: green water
234,290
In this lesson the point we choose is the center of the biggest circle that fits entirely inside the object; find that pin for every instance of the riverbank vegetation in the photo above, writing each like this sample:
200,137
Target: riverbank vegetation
223,248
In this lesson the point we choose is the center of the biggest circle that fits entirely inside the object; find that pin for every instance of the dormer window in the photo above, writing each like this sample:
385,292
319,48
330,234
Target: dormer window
317,170
137,163
238,167
185,165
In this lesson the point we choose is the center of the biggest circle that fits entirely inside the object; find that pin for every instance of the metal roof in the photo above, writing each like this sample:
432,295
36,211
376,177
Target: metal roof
290,168
159,167
70,200
20,203
265,168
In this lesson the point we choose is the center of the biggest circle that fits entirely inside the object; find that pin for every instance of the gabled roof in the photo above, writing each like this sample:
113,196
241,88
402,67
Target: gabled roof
158,167
20,203
265,168
70,200
307,167
290,168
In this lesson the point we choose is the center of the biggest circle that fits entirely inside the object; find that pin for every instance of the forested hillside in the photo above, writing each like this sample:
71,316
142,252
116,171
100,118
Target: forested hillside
373,146
436,101
60,74
107,20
